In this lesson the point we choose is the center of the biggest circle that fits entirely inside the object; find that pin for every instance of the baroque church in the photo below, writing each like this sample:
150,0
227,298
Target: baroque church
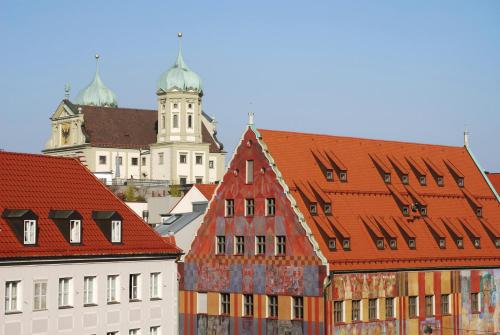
176,143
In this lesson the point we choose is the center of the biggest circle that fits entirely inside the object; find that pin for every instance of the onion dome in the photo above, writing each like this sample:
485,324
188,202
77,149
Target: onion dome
96,93
180,77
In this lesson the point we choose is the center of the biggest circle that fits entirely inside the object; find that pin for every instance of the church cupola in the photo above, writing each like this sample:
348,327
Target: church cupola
96,93
180,77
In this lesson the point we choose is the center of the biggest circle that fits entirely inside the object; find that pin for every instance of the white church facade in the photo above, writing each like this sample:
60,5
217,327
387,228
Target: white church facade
176,143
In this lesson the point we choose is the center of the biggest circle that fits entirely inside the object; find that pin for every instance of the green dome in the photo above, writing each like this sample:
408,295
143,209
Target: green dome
180,77
96,93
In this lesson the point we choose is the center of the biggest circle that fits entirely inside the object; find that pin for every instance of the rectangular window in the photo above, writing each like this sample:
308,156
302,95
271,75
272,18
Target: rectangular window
183,158
155,330
404,179
372,309
190,121
65,299
143,161
160,158
134,287
387,178
474,302
272,306
175,121
298,307
423,180
74,231
329,175
199,159
225,304
40,295
239,245
12,296
260,242
116,231
229,207
135,161
327,208
280,245
29,231
440,181
356,310
199,180
221,245
89,290
270,207
102,160
389,308
313,208
249,207
343,176
429,305
210,164
163,121
155,285
445,304
247,305
119,160
183,180
249,172
413,306
338,311
112,289
136,331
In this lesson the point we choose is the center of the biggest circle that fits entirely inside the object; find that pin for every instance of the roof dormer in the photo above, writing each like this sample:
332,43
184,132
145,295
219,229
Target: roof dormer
24,224
110,223
69,223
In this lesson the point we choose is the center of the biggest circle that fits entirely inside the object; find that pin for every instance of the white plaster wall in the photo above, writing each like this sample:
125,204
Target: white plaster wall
96,319
185,205
199,170
184,169
212,173
137,207
185,237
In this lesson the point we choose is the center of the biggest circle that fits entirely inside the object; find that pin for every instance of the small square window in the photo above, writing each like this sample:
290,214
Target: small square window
442,243
313,208
422,180
199,159
380,243
404,179
479,212
332,244
423,211
460,182
477,243
102,160
199,180
346,244
393,243
190,106
440,181
182,180
176,105
329,175
327,208
343,176
135,161
497,242
405,210
183,158
387,178
411,243
460,243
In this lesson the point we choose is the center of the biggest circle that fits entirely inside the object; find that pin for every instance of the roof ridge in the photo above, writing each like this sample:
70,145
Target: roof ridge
18,153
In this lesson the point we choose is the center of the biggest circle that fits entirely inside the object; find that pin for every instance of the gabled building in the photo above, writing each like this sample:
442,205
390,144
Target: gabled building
319,234
75,259
176,143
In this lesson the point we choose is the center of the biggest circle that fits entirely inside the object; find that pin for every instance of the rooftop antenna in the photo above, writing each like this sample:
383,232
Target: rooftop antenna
179,35
97,62
67,90
466,137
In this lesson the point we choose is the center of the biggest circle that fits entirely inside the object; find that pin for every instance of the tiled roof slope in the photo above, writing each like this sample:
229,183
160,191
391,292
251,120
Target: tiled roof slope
495,180
44,183
365,206
206,189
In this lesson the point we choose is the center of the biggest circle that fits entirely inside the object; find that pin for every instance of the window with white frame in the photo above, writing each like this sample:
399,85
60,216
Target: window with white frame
89,290
249,207
134,286
413,306
40,295
65,295
338,311
239,245
199,159
260,244
12,296
155,285
102,160
372,309
270,207
248,305
280,245
112,289
225,304
298,307
429,305
389,307
116,231
221,244
183,158
155,330
75,231
229,208
272,306
445,304
29,231
249,172
356,310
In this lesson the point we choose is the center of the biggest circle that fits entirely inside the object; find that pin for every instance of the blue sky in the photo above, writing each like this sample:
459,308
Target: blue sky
415,71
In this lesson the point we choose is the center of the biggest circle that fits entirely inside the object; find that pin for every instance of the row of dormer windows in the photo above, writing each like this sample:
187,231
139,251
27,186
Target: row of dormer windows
422,179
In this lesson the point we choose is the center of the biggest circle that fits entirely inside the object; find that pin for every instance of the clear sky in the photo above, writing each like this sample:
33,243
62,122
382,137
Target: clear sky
399,70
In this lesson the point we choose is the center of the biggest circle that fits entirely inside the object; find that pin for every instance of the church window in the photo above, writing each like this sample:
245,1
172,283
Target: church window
210,164
199,159
190,121
102,160
160,158
135,161
183,158
175,121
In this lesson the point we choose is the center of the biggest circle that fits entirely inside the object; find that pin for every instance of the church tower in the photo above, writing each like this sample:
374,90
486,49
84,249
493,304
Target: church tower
179,93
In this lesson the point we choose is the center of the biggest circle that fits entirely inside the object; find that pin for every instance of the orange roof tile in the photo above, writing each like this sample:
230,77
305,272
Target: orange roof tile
495,180
206,189
366,194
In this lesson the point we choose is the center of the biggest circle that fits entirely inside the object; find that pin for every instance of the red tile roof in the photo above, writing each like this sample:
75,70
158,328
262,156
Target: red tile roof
44,183
365,206
206,189
495,180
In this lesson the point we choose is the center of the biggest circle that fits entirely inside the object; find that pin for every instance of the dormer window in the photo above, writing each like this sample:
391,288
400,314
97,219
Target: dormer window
440,181
404,179
116,231
327,208
442,243
313,208
460,182
411,243
460,243
29,231
479,212
380,243
343,176
332,244
387,178
346,244
329,175
423,211
75,231
497,242
422,180
393,244
477,243
406,210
